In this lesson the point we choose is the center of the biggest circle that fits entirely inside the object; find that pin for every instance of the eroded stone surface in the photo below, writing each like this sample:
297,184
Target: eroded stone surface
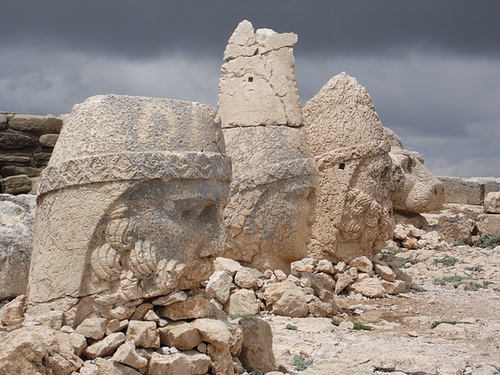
354,211
130,204
257,85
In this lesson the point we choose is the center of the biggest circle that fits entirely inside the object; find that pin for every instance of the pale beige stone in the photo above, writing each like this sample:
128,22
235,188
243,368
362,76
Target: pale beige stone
318,308
213,331
170,298
13,311
141,311
109,367
257,344
414,188
286,298
226,264
463,191
219,285
104,347
242,302
394,287
193,307
343,281
489,224
354,210
78,341
35,350
259,73
385,272
130,205
273,192
16,236
115,325
186,363
244,279
93,328
181,335
128,355
325,266
221,359
370,287
144,334
410,243
363,264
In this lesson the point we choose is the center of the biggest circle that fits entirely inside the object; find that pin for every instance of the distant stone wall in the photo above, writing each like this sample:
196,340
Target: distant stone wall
469,190
26,144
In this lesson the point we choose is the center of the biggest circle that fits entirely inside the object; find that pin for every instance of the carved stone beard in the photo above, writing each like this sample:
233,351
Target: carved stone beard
157,237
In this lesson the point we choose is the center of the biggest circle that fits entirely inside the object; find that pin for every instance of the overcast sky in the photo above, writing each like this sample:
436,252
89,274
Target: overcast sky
432,67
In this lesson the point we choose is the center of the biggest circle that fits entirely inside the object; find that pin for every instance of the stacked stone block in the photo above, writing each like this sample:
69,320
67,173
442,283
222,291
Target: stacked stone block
26,144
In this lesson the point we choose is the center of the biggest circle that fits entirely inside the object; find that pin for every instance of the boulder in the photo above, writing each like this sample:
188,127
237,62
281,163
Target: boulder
363,264
257,352
144,334
489,224
192,308
219,284
181,335
492,202
128,355
104,347
370,287
35,350
17,216
242,302
287,299
462,191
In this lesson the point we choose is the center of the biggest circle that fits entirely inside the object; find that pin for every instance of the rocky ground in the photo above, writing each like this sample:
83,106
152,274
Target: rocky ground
460,287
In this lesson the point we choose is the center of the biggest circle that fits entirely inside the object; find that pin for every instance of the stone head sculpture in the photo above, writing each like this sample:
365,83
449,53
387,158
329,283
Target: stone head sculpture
131,204
273,191
415,189
346,137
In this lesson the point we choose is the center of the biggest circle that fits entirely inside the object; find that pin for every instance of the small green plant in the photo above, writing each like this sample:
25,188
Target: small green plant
475,269
291,327
257,372
438,322
447,261
336,322
487,241
301,363
358,326
459,280
237,316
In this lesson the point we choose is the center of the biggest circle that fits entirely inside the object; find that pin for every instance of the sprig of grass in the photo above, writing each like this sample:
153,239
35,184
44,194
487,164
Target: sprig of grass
291,327
447,261
358,326
301,363
487,241
336,322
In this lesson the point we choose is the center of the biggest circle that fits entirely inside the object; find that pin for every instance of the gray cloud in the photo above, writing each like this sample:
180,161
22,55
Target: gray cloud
431,67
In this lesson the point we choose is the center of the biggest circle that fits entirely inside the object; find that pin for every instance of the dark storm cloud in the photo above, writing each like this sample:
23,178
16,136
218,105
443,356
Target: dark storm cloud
147,28
431,67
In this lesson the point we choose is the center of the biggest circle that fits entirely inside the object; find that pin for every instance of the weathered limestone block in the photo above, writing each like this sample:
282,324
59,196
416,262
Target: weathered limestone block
105,347
181,335
13,170
259,74
12,313
218,285
192,308
16,140
20,184
414,189
242,302
127,354
273,195
462,191
257,350
244,279
225,264
109,367
130,205
363,264
186,363
346,137
94,328
34,123
37,350
370,287
287,299
489,224
492,203
17,217
144,334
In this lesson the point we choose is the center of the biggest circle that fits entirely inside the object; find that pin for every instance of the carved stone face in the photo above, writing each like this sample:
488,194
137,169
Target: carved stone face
276,227
415,188
157,237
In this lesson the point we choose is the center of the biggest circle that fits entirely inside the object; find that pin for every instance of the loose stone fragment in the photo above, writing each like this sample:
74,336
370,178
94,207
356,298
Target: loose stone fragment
144,334
105,347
